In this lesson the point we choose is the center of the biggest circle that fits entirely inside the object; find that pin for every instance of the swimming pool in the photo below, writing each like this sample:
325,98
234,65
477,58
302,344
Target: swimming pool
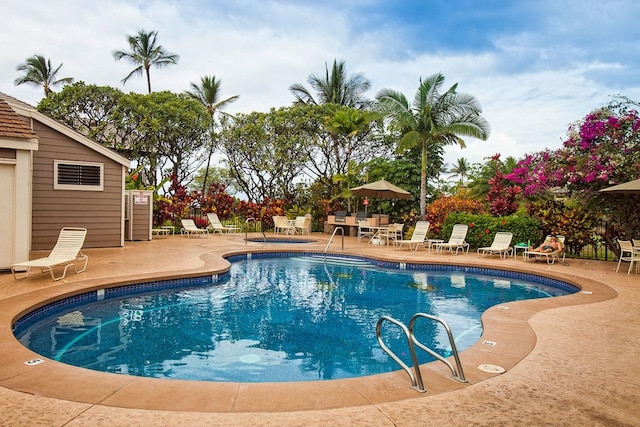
242,326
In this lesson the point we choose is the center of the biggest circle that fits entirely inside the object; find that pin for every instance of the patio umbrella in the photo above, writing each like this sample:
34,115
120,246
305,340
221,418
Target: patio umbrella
631,187
381,190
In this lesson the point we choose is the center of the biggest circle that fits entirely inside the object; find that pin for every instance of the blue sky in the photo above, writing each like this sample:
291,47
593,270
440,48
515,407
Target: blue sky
535,66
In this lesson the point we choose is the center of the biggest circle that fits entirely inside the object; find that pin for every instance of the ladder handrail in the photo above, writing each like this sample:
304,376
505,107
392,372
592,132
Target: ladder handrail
459,375
246,230
331,239
416,379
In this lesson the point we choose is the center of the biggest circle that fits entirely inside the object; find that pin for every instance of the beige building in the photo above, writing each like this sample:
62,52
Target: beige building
53,177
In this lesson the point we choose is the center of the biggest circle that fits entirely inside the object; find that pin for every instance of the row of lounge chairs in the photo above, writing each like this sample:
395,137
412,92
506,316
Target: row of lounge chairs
500,246
189,227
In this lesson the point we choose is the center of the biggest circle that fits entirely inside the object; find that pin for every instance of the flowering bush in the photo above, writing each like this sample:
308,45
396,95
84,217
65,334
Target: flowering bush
502,195
600,151
438,211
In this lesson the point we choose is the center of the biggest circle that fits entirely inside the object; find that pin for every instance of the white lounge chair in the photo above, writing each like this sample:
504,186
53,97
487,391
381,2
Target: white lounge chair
218,227
501,245
456,240
550,257
189,227
417,238
66,252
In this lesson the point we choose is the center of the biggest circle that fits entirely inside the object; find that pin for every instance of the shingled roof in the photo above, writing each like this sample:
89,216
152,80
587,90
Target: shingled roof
12,126
21,109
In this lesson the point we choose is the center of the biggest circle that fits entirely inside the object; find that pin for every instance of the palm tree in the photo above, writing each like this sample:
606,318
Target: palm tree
461,169
38,72
208,94
144,53
334,87
433,119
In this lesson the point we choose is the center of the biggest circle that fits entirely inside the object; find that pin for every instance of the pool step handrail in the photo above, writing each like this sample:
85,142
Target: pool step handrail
457,374
331,239
246,230
416,376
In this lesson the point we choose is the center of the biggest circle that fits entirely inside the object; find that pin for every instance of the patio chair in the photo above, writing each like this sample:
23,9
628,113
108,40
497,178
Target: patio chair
550,257
218,227
628,253
393,232
65,253
189,227
501,245
456,240
282,225
417,238
302,224
365,230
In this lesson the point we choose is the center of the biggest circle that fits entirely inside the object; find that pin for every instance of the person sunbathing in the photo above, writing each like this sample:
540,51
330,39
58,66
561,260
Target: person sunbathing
548,246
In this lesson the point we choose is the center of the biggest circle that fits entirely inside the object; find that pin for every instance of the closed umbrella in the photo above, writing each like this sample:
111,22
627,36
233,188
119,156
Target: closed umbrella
631,187
381,190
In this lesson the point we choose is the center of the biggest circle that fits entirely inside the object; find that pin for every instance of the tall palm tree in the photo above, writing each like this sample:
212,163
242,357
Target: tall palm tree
460,169
38,72
334,87
144,53
208,94
432,119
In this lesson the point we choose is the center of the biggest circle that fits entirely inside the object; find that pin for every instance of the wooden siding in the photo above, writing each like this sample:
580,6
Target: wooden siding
100,212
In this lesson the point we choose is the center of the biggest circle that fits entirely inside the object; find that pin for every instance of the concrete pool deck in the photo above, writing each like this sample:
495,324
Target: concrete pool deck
570,360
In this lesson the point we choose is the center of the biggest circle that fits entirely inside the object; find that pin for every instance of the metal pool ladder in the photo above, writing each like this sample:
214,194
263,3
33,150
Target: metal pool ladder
416,378
331,239
246,229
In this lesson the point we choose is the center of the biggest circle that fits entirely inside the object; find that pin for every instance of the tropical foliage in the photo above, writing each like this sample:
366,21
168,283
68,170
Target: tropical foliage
208,94
433,119
144,53
39,72
442,207
334,87
601,150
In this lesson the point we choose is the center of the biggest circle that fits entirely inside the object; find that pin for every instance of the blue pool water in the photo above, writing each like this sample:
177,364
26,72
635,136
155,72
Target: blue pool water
289,318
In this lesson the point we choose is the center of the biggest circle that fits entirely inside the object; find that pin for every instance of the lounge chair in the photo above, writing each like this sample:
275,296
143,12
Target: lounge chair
501,245
65,253
629,254
417,238
550,257
189,227
456,240
302,224
218,227
282,225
